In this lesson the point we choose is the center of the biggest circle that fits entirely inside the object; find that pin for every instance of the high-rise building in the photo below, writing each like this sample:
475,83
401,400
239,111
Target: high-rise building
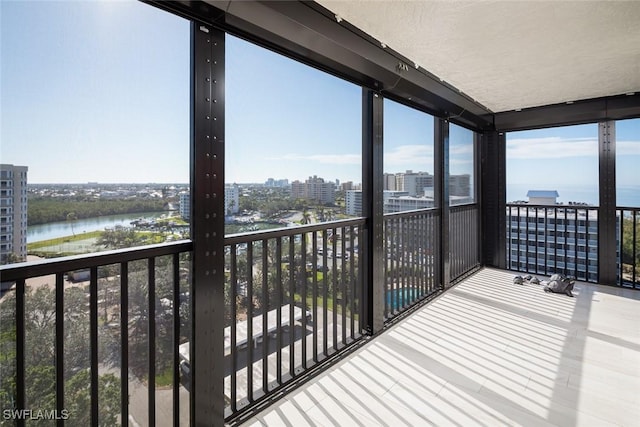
554,240
558,239
346,186
185,206
413,183
315,189
389,180
353,202
13,213
231,199
460,185
279,183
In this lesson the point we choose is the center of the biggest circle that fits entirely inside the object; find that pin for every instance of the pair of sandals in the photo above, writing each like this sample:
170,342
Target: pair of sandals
519,280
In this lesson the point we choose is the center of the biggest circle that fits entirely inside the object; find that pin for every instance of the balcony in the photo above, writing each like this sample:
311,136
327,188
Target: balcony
487,352
137,302
403,318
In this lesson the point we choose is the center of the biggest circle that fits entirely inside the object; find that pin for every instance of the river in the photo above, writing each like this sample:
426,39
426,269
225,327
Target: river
36,233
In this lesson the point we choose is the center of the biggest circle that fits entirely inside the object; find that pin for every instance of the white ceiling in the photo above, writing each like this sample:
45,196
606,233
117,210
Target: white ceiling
509,55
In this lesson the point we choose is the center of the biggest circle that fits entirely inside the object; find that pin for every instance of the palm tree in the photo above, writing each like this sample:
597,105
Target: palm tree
306,217
72,217
329,215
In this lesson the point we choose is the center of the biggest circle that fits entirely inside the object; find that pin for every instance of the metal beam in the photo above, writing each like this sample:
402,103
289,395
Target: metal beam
207,225
493,195
308,32
441,173
587,111
607,271
477,193
372,209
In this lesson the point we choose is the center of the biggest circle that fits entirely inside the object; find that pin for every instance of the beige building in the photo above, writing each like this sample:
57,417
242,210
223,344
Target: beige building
314,188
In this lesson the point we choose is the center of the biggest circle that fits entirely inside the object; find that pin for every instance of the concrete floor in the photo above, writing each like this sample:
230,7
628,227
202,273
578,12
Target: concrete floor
486,353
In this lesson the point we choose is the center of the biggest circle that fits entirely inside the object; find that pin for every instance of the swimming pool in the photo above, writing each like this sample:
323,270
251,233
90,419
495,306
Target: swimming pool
397,298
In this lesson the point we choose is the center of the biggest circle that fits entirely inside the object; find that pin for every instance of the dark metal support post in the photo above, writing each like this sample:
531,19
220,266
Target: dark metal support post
372,209
441,154
60,345
493,193
607,214
20,348
207,225
477,194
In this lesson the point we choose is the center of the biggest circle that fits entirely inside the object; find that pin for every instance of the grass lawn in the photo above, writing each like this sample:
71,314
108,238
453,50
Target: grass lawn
62,240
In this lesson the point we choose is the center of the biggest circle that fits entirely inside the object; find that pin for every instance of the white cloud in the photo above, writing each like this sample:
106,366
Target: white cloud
409,155
628,148
551,147
461,150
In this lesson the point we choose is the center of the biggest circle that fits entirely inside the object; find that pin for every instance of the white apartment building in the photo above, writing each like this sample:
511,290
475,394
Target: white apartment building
407,203
460,185
557,239
353,202
413,182
185,206
393,201
315,189
279,183
389,180
13,212
231,199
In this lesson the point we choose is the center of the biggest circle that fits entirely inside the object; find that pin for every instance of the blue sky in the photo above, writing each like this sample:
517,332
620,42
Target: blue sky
94,91
566,159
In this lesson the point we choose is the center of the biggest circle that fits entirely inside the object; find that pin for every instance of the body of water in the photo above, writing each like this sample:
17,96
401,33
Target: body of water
36,233
625,196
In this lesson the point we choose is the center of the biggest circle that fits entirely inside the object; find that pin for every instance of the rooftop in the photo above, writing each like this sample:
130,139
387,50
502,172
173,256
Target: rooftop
542,193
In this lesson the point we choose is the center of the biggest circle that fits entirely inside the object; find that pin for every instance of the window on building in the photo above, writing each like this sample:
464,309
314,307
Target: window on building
293,141
95,104
627,160
461,165
96,127
555,165
408,158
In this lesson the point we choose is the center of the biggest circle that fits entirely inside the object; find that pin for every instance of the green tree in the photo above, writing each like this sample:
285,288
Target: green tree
120,237
628,244
40,358
12,258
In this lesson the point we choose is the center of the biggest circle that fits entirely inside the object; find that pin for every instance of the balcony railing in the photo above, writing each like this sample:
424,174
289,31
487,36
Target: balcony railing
564,239
628,246
463,239
294,300
89,332
542,240
412,251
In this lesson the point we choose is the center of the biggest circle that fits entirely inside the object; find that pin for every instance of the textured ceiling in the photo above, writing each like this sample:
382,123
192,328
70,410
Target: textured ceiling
509,55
